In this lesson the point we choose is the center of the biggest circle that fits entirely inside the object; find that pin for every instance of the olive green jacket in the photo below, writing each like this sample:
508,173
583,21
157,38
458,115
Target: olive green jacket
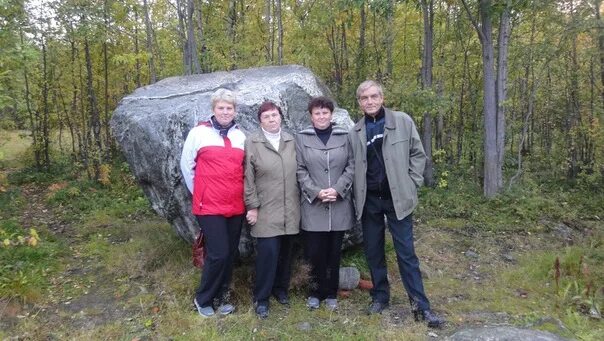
404,160
271,185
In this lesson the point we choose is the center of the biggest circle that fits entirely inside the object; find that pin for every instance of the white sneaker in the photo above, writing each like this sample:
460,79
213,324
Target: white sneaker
331,303
313,303
226,309
204,311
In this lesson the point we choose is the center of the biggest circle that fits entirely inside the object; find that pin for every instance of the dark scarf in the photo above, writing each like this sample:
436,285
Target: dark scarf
223,130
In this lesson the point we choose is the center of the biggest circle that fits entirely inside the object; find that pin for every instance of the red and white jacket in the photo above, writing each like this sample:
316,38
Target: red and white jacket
212,167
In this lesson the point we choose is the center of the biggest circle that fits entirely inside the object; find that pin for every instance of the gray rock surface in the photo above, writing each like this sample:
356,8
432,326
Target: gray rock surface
151,124
349,278
502,333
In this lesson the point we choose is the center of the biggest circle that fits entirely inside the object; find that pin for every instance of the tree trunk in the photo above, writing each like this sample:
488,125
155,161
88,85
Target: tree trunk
149,31
360,67
106,81
192,43
426,78
137,77
204,64
95,123
574,105
270,32
389,38
231,32
492,134
600,32
45,117
501,87
279,32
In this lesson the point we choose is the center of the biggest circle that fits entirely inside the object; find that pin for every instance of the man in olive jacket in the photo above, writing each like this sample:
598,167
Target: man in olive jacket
389,162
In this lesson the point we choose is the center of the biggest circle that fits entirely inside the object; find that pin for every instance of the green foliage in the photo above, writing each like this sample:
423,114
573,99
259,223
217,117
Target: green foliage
569,282
121,196
525,207
26,266
60,170
11,202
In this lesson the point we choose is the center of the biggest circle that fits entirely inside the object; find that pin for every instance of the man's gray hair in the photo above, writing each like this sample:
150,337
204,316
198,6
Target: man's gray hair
224,95
368,84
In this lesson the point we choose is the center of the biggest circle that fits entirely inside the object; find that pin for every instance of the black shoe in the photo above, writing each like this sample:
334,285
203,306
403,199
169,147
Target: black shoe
376,307
434,321
282,298
262,311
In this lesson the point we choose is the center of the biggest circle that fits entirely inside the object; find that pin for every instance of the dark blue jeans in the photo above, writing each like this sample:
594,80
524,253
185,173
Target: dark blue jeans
221,242
273,267
375,209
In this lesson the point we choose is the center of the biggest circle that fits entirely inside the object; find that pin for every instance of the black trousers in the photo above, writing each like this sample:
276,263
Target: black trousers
273,267
323,251
221,242
402,236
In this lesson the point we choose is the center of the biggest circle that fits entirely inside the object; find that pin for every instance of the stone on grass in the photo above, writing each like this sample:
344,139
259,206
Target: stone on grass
471,254
151,124
304,326
502,333
349,278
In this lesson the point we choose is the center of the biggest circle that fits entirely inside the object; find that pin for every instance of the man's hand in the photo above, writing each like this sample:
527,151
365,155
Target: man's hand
252,216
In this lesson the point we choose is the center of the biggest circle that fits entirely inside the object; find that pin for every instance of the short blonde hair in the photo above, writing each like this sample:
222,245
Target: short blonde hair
368,84
224,95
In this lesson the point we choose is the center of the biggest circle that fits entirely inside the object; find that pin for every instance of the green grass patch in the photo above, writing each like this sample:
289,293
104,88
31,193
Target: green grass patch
521,208
26,267
12,203
13,144
567,284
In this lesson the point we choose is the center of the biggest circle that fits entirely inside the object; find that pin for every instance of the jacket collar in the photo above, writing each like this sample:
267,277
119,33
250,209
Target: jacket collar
388,121
258,136
335,130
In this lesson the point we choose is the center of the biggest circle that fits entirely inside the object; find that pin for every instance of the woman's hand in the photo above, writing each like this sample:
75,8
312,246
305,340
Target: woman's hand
252,216
328,195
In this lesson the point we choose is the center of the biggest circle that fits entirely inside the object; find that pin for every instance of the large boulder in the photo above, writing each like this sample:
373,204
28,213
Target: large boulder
502,333
151,125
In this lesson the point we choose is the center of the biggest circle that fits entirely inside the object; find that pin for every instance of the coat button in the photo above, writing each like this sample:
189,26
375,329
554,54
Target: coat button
326,207
326,170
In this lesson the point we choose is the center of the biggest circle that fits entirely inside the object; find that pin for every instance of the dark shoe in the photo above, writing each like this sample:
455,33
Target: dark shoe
376,307
282,298
262,311
434,321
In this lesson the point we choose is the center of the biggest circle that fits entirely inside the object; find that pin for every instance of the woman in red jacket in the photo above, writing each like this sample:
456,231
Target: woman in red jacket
212,167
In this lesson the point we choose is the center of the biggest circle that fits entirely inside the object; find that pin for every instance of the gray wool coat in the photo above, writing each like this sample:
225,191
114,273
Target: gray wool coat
270,185
323,166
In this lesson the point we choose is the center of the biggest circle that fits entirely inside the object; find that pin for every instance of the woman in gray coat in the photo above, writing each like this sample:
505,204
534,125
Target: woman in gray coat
325,173
272,199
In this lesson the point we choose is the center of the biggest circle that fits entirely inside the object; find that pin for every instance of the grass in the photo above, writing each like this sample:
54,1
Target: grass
25,269
13,145
120,272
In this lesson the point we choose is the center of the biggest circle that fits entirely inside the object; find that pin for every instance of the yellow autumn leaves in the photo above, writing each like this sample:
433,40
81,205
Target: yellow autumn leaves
16,240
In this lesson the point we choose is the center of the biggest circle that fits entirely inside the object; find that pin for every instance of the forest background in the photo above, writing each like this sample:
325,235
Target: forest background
508,96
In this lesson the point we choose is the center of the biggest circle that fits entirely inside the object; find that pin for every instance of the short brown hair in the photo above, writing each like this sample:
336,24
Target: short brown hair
320,102
268,105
